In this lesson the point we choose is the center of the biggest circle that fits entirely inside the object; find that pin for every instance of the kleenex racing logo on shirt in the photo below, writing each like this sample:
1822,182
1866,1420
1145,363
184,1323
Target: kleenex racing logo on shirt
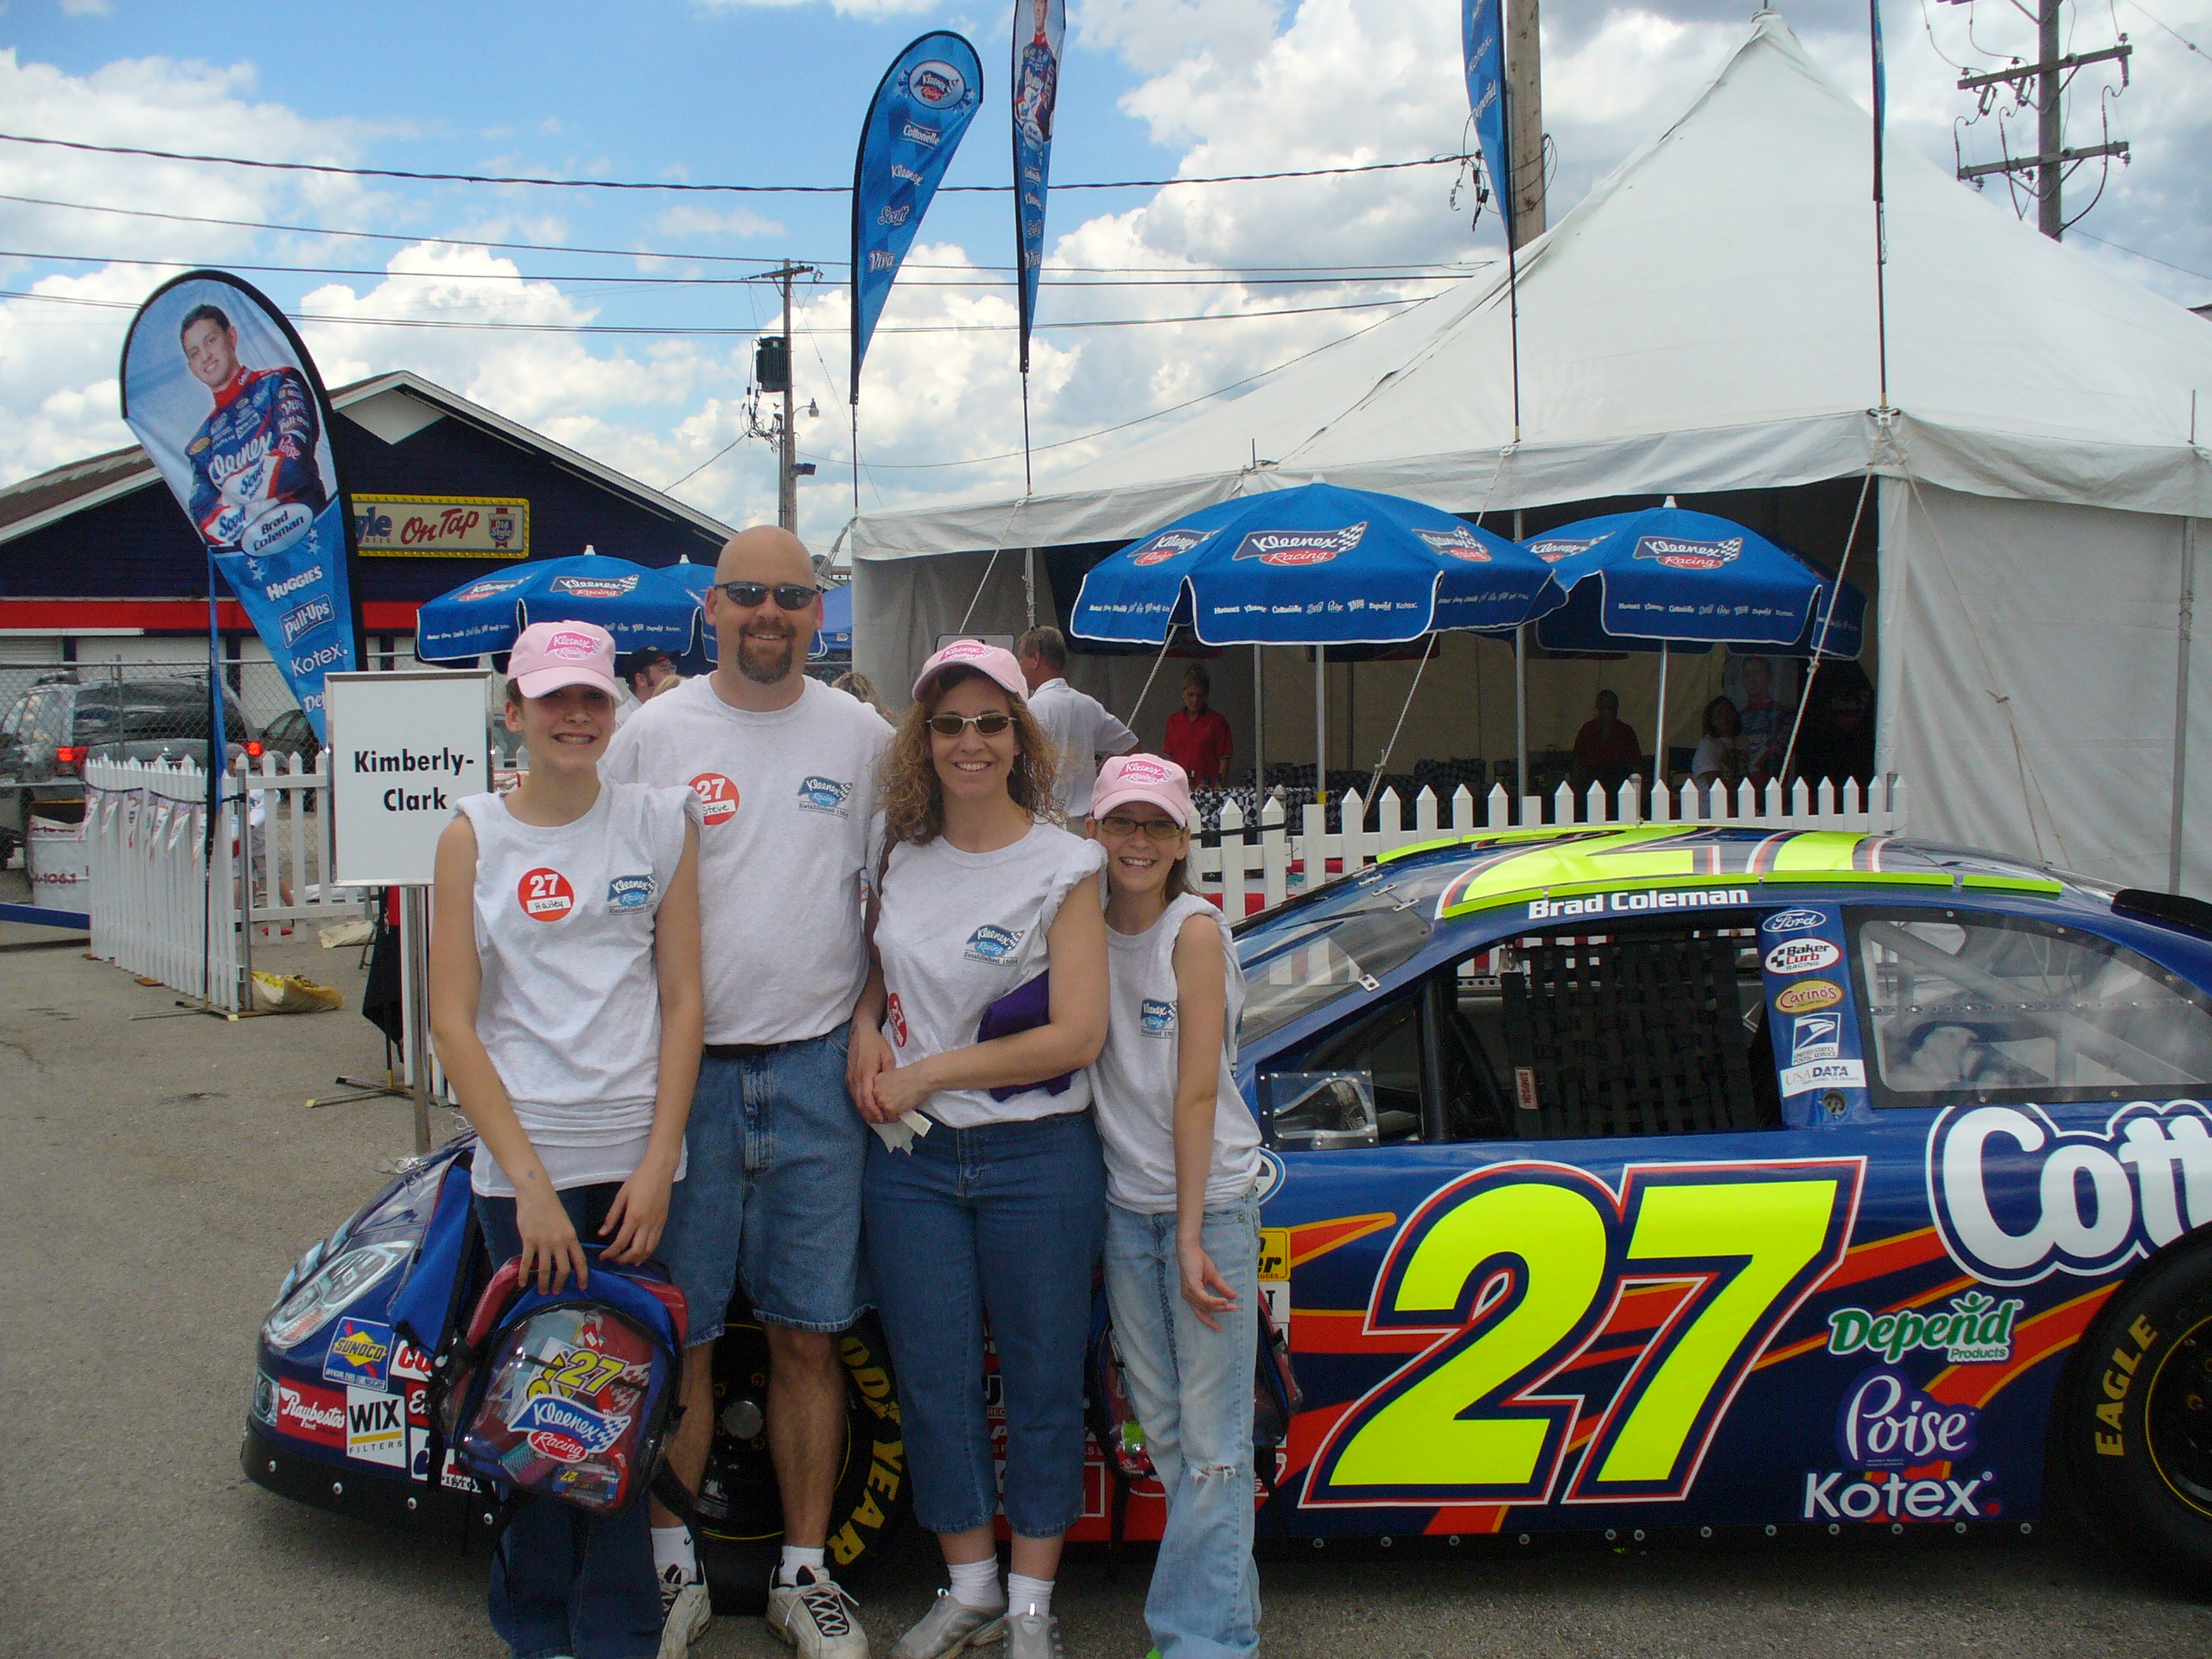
818,794
630,893
995,945
1158,1017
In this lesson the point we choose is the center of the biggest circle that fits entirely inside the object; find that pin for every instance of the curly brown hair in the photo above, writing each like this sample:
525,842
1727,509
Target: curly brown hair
907,780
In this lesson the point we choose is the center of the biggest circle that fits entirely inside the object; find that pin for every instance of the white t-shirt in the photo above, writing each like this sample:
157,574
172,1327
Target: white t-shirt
790,831
958,930
1134,1079
567,1004
1082,730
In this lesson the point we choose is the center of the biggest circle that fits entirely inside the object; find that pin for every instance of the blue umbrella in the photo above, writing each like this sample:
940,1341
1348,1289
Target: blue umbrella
834,637
640,606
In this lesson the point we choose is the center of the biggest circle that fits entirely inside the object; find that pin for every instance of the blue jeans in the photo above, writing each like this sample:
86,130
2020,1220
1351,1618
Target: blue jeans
772,1191
1000,1221
564,1581
1193,1391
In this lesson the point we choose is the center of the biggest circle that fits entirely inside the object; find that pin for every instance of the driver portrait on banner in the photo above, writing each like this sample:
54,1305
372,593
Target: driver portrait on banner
255,483
1038,83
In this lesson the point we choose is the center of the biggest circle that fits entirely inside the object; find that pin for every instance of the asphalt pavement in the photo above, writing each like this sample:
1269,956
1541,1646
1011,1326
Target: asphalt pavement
159,1171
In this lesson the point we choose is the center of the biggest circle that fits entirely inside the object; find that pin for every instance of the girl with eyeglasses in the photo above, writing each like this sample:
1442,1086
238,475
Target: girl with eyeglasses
1182,1210
985,1192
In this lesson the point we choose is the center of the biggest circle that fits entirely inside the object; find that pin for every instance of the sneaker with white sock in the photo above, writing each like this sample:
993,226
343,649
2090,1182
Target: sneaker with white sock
686,1609
817,1616
1034,1635
951,1627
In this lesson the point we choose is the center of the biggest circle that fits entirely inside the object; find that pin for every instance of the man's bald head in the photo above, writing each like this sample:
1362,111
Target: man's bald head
761,649
766,553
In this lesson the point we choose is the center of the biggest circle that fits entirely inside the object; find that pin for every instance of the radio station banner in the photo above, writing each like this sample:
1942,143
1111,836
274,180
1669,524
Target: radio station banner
226,400
1482,24
915,121
1040,27
441,527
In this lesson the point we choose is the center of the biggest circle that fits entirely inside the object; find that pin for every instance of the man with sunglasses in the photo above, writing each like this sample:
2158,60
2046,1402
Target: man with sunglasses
784,768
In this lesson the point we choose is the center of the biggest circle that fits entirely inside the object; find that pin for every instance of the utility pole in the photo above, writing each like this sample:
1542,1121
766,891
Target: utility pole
1524,122
772,372
2050,162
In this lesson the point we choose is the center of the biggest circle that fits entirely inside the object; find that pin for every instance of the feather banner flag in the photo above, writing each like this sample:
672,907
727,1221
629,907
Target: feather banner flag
1039,27
1482,26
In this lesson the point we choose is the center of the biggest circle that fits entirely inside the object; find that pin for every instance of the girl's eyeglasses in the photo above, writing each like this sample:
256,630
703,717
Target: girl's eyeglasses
1153,829
989,724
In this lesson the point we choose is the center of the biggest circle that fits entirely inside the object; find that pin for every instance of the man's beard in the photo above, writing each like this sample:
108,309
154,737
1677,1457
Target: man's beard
766,669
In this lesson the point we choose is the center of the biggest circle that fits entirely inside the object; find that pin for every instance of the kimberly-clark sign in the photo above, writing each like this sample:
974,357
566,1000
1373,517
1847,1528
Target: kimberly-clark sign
226,401
403,748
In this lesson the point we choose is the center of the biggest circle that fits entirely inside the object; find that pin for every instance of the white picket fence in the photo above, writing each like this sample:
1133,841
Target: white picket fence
165,906
1247,867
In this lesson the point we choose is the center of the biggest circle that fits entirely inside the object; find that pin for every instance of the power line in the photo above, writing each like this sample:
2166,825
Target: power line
1441,266
2183,39
688,188
2134,253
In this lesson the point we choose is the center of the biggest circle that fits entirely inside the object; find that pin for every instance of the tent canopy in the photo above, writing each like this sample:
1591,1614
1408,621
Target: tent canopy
1703,320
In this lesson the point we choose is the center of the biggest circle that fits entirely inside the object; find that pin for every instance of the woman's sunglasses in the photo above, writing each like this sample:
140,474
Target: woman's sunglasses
790,596
989,724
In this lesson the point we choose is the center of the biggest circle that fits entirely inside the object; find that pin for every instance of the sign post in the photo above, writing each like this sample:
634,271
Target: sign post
403,748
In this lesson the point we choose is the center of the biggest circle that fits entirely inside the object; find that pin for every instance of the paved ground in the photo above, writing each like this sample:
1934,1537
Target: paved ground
158,1173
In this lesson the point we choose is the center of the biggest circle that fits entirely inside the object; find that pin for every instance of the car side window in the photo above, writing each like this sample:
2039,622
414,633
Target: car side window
1975,1005
1386,1043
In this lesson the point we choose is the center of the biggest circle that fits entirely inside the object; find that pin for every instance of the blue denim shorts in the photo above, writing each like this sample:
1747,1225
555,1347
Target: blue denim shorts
771,1199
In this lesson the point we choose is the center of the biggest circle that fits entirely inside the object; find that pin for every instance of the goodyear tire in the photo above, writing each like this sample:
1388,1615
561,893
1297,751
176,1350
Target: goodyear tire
2137,1422
740,1526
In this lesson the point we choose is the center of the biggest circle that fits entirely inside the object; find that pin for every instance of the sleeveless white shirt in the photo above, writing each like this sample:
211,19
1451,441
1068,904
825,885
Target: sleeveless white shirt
1134,1079
568,1004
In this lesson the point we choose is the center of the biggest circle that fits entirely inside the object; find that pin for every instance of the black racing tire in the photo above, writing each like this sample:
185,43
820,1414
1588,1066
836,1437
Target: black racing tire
739,1529
2134,1428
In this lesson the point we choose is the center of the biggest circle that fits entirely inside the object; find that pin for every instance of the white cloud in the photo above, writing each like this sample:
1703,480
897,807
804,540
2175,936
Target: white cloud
689,220
849,8
87,8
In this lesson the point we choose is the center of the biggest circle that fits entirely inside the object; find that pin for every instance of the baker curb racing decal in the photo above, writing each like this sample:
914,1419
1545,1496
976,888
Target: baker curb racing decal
2016,1199
1802,956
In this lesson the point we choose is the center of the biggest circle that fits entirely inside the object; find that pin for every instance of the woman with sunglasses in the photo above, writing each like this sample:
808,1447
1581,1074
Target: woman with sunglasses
1182,1211
987,1001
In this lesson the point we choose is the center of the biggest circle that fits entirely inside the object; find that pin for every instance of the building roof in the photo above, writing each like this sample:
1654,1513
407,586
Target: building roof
393,406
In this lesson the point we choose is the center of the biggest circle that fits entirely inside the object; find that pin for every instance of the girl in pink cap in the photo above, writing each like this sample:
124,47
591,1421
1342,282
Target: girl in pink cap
565,1004
1182,1204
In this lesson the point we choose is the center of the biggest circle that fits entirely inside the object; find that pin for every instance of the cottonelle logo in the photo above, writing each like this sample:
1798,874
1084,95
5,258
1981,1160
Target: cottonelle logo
1293,547
1678,555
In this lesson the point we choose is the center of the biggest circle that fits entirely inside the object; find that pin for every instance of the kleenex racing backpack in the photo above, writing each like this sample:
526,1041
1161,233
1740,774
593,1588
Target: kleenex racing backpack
570,1394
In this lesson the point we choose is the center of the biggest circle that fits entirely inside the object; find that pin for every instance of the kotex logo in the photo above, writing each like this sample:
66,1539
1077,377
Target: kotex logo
1885,1422
1802,956
2017,1199
937,84
1834,1496
1296,547
992,944
1168,544
1792,921
1461,543
1679,555
593,587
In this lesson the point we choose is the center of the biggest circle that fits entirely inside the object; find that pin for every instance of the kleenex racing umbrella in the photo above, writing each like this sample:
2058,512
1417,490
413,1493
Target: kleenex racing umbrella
1314,565
638,605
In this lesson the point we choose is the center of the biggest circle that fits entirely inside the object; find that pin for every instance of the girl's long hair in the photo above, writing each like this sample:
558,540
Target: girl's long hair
913,800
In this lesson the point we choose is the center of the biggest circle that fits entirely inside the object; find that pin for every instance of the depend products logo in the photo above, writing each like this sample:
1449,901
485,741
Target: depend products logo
1292,547
992,944
593,587
1678,555
1460,544
1168,544
1975,1330
1801,957
937,84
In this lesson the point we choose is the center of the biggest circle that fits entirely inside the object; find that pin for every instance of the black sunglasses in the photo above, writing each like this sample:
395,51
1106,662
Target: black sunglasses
790,596
989,723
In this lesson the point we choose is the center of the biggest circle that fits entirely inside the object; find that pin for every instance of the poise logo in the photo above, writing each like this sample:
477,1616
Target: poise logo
2016,1199
1886,1423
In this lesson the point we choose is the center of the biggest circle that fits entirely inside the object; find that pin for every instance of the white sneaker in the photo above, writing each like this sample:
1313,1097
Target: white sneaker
686,1609
951,1628
817,1616
1034,1635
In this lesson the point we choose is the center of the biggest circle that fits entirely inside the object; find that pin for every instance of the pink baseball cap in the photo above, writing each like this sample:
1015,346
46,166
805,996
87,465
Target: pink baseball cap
549,655
995,663
1128,777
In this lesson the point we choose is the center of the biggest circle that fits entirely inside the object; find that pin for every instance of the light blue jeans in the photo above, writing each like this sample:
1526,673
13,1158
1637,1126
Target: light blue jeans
1193,1391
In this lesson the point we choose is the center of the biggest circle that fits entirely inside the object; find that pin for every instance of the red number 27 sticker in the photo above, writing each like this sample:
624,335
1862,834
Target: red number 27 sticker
545,894
718,798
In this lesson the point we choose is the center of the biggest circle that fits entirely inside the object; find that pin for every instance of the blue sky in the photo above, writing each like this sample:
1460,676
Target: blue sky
756,92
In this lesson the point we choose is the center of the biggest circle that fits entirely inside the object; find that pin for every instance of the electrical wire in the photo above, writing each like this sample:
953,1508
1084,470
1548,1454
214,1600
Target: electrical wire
2136,253
697,189
2183,39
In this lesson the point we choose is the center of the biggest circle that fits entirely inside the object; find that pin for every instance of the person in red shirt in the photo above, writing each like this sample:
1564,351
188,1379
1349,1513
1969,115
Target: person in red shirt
1606,750
1197,737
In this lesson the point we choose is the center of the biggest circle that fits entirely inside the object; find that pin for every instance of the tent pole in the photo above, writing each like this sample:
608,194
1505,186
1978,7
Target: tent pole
1321,724
1659,736
1520,687
1259,724
2188,619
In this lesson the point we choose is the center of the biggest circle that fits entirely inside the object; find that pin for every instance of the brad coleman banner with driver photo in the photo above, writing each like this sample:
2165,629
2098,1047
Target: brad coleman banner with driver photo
1039,27
920,111
226,400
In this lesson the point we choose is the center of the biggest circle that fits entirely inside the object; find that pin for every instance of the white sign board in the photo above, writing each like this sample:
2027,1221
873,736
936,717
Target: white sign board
403,748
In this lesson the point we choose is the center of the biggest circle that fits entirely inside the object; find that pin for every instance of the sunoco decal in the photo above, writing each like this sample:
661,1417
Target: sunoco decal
360,1353
2017,1199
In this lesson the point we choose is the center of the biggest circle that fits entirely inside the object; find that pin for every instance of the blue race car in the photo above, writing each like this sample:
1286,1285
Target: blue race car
1632,1181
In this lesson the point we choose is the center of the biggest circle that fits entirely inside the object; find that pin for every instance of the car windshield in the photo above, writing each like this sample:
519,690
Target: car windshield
1349,937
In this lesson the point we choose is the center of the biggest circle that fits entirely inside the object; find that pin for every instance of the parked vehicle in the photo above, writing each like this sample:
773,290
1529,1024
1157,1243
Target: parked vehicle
1635,1182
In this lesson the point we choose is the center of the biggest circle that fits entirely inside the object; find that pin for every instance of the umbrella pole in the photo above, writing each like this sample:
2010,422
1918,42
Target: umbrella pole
1321,725
1658,777
1520,715
1259,725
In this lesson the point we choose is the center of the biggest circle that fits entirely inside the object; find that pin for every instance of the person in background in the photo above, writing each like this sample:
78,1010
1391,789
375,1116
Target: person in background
1766,721
1606,750
1197,737
969,1046
1836,745
853,683
649,670
1076,725
565,1004
1182,1206
1721,757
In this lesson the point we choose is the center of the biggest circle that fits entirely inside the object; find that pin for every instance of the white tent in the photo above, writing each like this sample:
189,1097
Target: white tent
1704,320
